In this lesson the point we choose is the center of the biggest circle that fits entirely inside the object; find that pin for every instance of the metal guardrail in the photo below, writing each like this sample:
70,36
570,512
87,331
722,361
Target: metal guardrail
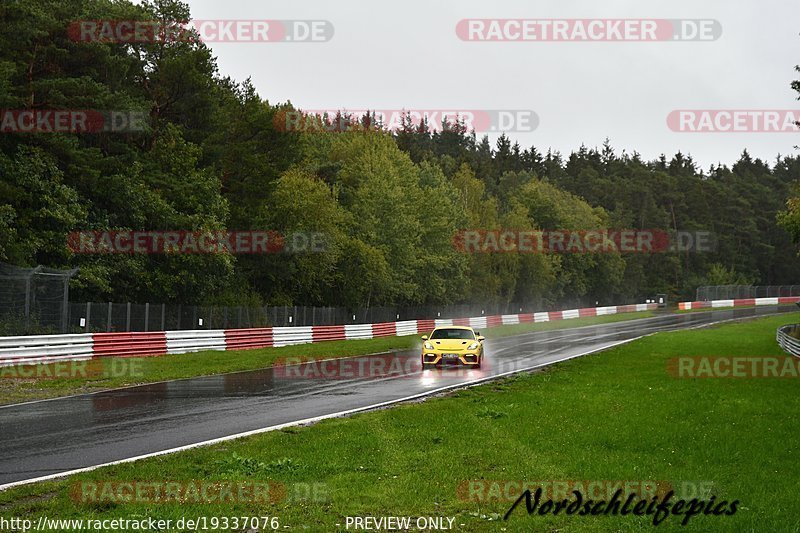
787,341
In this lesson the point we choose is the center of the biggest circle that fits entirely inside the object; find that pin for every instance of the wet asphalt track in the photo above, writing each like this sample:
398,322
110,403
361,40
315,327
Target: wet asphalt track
49,437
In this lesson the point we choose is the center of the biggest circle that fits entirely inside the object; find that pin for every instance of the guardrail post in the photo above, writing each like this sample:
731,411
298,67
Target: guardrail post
147,316
88,314
108,320
28,304
128,318
65,307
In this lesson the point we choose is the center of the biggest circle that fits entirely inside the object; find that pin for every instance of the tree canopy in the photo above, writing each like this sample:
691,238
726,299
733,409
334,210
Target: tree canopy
214,156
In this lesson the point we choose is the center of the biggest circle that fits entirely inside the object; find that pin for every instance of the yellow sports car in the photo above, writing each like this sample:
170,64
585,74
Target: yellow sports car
452,345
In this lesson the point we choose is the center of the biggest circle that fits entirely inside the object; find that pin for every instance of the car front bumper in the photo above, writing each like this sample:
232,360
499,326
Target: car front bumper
450,358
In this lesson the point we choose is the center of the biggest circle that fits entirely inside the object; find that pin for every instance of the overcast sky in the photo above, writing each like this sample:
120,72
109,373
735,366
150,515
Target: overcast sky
406,55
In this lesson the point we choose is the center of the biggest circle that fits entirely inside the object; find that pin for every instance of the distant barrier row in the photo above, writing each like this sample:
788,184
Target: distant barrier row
83,346
738,302
728,292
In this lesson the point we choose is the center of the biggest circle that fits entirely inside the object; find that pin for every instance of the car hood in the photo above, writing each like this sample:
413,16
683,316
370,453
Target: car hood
451,344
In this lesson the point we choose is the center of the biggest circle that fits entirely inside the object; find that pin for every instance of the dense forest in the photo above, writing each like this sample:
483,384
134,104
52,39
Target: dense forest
215,155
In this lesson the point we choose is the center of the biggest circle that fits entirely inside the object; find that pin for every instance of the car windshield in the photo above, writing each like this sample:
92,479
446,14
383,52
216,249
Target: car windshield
452,334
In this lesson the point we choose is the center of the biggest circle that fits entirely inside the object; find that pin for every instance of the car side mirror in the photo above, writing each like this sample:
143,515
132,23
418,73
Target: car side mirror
481,338
424,337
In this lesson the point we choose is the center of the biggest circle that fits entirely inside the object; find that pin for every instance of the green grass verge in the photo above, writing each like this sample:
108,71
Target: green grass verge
14,388
616,415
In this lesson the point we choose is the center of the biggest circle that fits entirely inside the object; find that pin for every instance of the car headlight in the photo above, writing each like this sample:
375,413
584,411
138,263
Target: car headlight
428,346
473,346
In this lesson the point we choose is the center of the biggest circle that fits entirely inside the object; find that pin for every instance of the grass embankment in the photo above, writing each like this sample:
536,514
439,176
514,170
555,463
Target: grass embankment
616,415
16,387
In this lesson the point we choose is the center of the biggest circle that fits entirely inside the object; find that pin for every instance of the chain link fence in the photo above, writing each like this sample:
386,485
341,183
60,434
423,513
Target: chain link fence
33,300
100,317
731,292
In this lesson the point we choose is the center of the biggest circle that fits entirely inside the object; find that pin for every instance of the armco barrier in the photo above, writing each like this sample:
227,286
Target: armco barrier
509,320
425,325
478,322
133,344
407,327
194,341
41,348
327,333
358,331
247,339
384,329
52,348
788,342
743,302
295,335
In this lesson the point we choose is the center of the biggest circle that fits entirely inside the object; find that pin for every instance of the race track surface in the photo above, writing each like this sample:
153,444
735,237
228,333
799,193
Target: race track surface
55,436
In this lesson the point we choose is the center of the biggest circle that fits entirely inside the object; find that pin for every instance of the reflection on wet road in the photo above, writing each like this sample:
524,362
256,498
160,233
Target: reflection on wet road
48,437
